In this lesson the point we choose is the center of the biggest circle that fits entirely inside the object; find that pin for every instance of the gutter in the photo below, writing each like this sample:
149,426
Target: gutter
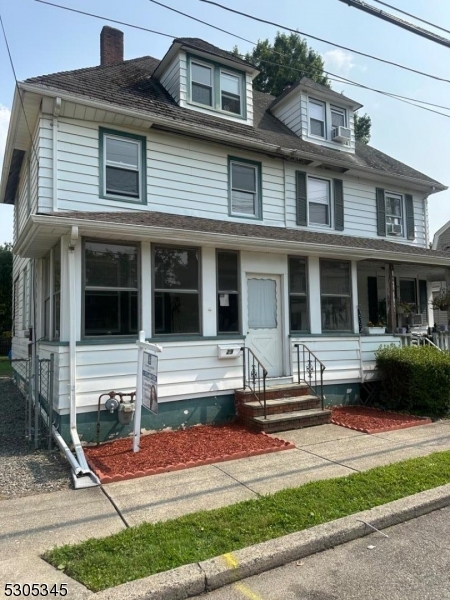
177,125
185,235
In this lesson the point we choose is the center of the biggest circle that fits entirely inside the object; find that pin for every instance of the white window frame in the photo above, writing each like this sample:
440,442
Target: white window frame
340,110
119,165
258,193
401,218
330,215
241,102
324,105
191,81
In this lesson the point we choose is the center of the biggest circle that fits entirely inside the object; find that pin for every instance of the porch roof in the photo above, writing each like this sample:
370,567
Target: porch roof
44,230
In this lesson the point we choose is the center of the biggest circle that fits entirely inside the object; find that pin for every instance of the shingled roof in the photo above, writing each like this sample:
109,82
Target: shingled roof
249,230
130,85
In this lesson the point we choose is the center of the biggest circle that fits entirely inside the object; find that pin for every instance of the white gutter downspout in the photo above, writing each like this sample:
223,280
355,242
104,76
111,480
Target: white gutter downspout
83,466
56,111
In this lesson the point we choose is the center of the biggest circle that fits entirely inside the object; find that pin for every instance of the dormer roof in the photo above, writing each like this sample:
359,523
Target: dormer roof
206,50
319,89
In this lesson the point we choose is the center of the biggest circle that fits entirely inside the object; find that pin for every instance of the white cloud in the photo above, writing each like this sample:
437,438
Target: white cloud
340,62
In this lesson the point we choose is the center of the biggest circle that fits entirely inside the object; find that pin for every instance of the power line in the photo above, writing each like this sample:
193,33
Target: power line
17,87
337,78
394,20
81,12
412,16
308,35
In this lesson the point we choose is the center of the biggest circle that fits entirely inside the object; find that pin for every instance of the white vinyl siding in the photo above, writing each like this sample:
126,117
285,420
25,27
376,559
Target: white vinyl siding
171,78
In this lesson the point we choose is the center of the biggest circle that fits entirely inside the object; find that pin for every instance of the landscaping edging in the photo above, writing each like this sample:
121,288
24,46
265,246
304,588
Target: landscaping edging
104,478
197,578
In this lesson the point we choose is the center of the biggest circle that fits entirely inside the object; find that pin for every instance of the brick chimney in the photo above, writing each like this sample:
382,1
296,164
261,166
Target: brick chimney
111,46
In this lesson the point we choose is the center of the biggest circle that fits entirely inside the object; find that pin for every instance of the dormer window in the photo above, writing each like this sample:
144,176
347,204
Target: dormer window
202,84
216,87
338,117
317,111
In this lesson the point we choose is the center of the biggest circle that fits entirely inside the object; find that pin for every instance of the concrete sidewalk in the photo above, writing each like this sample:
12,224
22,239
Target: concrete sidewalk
32,524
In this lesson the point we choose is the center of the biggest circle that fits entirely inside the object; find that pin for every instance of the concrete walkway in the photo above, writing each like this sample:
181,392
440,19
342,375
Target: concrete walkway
32,524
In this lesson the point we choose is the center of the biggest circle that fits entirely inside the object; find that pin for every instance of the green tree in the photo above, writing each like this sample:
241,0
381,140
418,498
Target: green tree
362,128
297,60
6,265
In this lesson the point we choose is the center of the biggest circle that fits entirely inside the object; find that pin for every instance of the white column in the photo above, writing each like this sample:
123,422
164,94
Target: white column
354,271
146,289
315,310
430,313
209,292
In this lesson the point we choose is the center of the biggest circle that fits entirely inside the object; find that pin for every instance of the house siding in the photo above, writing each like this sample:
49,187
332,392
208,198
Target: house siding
171,78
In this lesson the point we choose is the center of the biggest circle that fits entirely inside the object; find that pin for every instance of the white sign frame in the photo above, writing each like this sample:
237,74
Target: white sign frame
152,349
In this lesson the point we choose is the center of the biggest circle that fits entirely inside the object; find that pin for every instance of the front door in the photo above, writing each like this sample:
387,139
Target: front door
264,334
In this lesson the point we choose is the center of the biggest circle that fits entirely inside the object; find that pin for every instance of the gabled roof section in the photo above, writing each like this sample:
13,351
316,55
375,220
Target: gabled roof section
310,84
202,46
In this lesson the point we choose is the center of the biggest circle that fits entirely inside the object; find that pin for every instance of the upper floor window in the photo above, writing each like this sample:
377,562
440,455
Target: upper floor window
123,158
218,88
338,117
245,188
394,214
317,119
319,201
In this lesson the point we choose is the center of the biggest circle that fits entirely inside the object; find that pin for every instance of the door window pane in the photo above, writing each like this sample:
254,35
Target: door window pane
262,304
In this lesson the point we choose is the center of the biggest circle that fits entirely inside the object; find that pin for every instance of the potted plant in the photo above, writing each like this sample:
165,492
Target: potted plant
441,301
377,329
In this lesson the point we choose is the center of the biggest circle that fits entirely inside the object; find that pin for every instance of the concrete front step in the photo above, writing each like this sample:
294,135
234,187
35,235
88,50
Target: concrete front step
279,381
290,420
274,392
278,406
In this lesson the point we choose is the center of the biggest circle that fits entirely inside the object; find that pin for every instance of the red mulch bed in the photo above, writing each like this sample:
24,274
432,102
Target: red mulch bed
373,420
174,450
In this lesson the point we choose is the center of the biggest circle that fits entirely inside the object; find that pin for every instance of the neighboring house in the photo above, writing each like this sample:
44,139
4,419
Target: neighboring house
168,196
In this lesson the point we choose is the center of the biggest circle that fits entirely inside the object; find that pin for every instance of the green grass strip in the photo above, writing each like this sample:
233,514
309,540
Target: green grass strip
5,367
151,548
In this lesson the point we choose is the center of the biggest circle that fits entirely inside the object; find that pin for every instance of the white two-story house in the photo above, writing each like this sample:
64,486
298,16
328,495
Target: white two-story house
168,196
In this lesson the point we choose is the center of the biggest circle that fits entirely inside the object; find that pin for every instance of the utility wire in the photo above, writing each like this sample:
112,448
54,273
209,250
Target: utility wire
308,35
394,20
18,89
333,76
338,77
412,16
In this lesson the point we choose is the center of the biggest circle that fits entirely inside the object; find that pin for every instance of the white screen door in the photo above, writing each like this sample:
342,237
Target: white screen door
264,321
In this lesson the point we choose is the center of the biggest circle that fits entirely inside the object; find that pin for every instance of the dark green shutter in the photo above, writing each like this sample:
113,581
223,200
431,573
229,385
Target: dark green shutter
423,297
338,205
409,206
381,212
301,198
372,289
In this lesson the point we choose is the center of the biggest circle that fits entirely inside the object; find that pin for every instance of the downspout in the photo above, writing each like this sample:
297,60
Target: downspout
83,466
56,111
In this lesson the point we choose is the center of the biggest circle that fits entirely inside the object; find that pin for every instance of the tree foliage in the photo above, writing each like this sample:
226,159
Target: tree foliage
286,61
6,265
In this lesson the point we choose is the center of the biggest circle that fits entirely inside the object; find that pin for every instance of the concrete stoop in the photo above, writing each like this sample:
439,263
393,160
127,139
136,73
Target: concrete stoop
291,406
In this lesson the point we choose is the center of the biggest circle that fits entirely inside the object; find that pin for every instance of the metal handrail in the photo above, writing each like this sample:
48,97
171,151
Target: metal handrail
312,368
254,376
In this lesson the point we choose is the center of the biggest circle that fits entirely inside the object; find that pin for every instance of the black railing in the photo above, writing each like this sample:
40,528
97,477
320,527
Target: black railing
254,376
310,370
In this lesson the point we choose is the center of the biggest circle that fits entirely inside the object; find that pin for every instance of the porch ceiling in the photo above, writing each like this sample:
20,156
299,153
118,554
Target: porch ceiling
428,272
42,231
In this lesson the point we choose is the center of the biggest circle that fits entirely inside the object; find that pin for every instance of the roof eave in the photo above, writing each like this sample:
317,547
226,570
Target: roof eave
9,147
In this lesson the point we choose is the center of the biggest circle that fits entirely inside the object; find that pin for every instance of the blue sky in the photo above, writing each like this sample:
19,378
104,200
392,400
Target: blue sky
46,40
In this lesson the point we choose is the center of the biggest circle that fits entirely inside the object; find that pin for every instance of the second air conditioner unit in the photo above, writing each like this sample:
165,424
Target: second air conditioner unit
341,134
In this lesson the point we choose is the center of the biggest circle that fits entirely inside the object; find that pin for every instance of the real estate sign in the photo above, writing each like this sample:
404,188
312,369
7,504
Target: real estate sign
150,382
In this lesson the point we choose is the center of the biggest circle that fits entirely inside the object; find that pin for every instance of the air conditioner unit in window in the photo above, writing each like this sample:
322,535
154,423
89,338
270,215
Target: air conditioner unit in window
394,229
341,134
415,320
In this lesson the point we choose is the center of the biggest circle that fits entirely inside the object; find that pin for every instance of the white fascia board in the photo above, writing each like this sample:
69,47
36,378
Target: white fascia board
163,234
221,136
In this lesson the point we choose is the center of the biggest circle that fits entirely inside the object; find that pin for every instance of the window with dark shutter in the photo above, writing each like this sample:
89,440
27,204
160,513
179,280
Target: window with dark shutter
381,212
409,209
301,198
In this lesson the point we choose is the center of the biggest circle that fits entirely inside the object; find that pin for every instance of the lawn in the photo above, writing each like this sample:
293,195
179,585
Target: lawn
151,548
5,367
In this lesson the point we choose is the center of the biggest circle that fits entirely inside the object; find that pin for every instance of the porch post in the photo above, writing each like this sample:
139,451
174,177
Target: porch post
315,310
390,300
447,287
355,301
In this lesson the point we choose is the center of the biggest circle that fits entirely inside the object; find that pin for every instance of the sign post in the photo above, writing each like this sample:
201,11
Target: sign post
147,383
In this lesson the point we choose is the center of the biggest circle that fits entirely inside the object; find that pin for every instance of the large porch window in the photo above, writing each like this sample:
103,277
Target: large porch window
336,295
176,290
298,294
228,292
110,289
